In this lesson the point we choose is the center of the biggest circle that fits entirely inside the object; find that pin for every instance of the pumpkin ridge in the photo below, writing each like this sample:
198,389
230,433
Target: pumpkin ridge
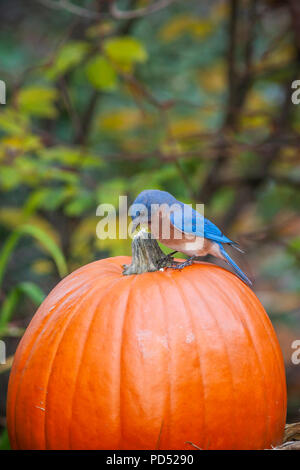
60,340
31,352
167,401
200,368
212,315
263,320
93,316
249,335
63,332
131,282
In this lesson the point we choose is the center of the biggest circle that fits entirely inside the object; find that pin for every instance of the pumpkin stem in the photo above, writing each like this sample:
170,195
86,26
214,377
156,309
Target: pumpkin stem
146,255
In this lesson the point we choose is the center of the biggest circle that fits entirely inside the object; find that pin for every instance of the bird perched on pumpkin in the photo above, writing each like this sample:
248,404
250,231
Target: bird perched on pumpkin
181,228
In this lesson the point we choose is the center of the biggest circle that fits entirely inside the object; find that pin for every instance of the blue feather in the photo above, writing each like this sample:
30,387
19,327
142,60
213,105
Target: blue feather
238,271
188,220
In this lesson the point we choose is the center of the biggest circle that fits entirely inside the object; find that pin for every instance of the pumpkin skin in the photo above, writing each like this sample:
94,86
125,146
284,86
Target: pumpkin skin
148,361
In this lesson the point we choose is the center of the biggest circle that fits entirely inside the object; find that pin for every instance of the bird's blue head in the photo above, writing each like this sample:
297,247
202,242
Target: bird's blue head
146,203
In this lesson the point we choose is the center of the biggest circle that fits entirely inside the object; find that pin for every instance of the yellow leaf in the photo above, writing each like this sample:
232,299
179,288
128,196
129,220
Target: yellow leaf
171,148
255,109
69,55
100,29
12,217
13,123
134,144
125,51
42,266
8,364
185,127
38,101
254,122
83,240
185,24
289,152
296,126
101,73
256,102
284,54
220,11
213,79
21,143
124,119
115,247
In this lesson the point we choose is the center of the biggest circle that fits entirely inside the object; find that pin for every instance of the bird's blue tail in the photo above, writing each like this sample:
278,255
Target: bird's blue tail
238,271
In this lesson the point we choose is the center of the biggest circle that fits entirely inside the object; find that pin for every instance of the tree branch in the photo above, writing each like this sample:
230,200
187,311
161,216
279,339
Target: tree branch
209,186
270,154
127,15
86,120
71,8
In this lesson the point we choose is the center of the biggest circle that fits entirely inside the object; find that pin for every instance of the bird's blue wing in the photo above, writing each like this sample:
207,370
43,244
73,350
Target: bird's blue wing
238,270
186,219
212,232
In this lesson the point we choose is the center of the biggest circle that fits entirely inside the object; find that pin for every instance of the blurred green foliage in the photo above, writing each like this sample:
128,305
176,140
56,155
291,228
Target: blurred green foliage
4,441
194,99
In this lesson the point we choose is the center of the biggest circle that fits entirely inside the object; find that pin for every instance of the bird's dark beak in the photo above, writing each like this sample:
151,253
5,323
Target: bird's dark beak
135,225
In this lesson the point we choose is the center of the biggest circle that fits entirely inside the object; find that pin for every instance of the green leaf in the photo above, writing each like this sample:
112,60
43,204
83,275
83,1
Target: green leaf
48,243
61,154
108,192
101,74
4,441
62,175
294,244
29,289
38,101
56,197
7,309
69,156
33,202
80,203
13,123
6,252
68,56
9,178
39,234
222,200
125,50
32,291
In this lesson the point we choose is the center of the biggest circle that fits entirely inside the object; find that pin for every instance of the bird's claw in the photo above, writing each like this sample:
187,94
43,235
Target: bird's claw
166,260
186,263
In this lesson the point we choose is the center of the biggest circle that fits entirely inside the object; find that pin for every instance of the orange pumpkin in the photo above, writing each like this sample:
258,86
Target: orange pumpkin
149,361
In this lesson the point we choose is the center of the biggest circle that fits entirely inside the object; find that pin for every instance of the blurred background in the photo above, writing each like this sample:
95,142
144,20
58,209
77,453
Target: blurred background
107,98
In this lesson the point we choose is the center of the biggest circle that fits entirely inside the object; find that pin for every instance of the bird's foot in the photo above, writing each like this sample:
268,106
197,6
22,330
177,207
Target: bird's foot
188,262
166,260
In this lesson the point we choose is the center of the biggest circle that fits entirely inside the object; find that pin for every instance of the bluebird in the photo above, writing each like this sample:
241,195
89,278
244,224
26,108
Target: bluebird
181,228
